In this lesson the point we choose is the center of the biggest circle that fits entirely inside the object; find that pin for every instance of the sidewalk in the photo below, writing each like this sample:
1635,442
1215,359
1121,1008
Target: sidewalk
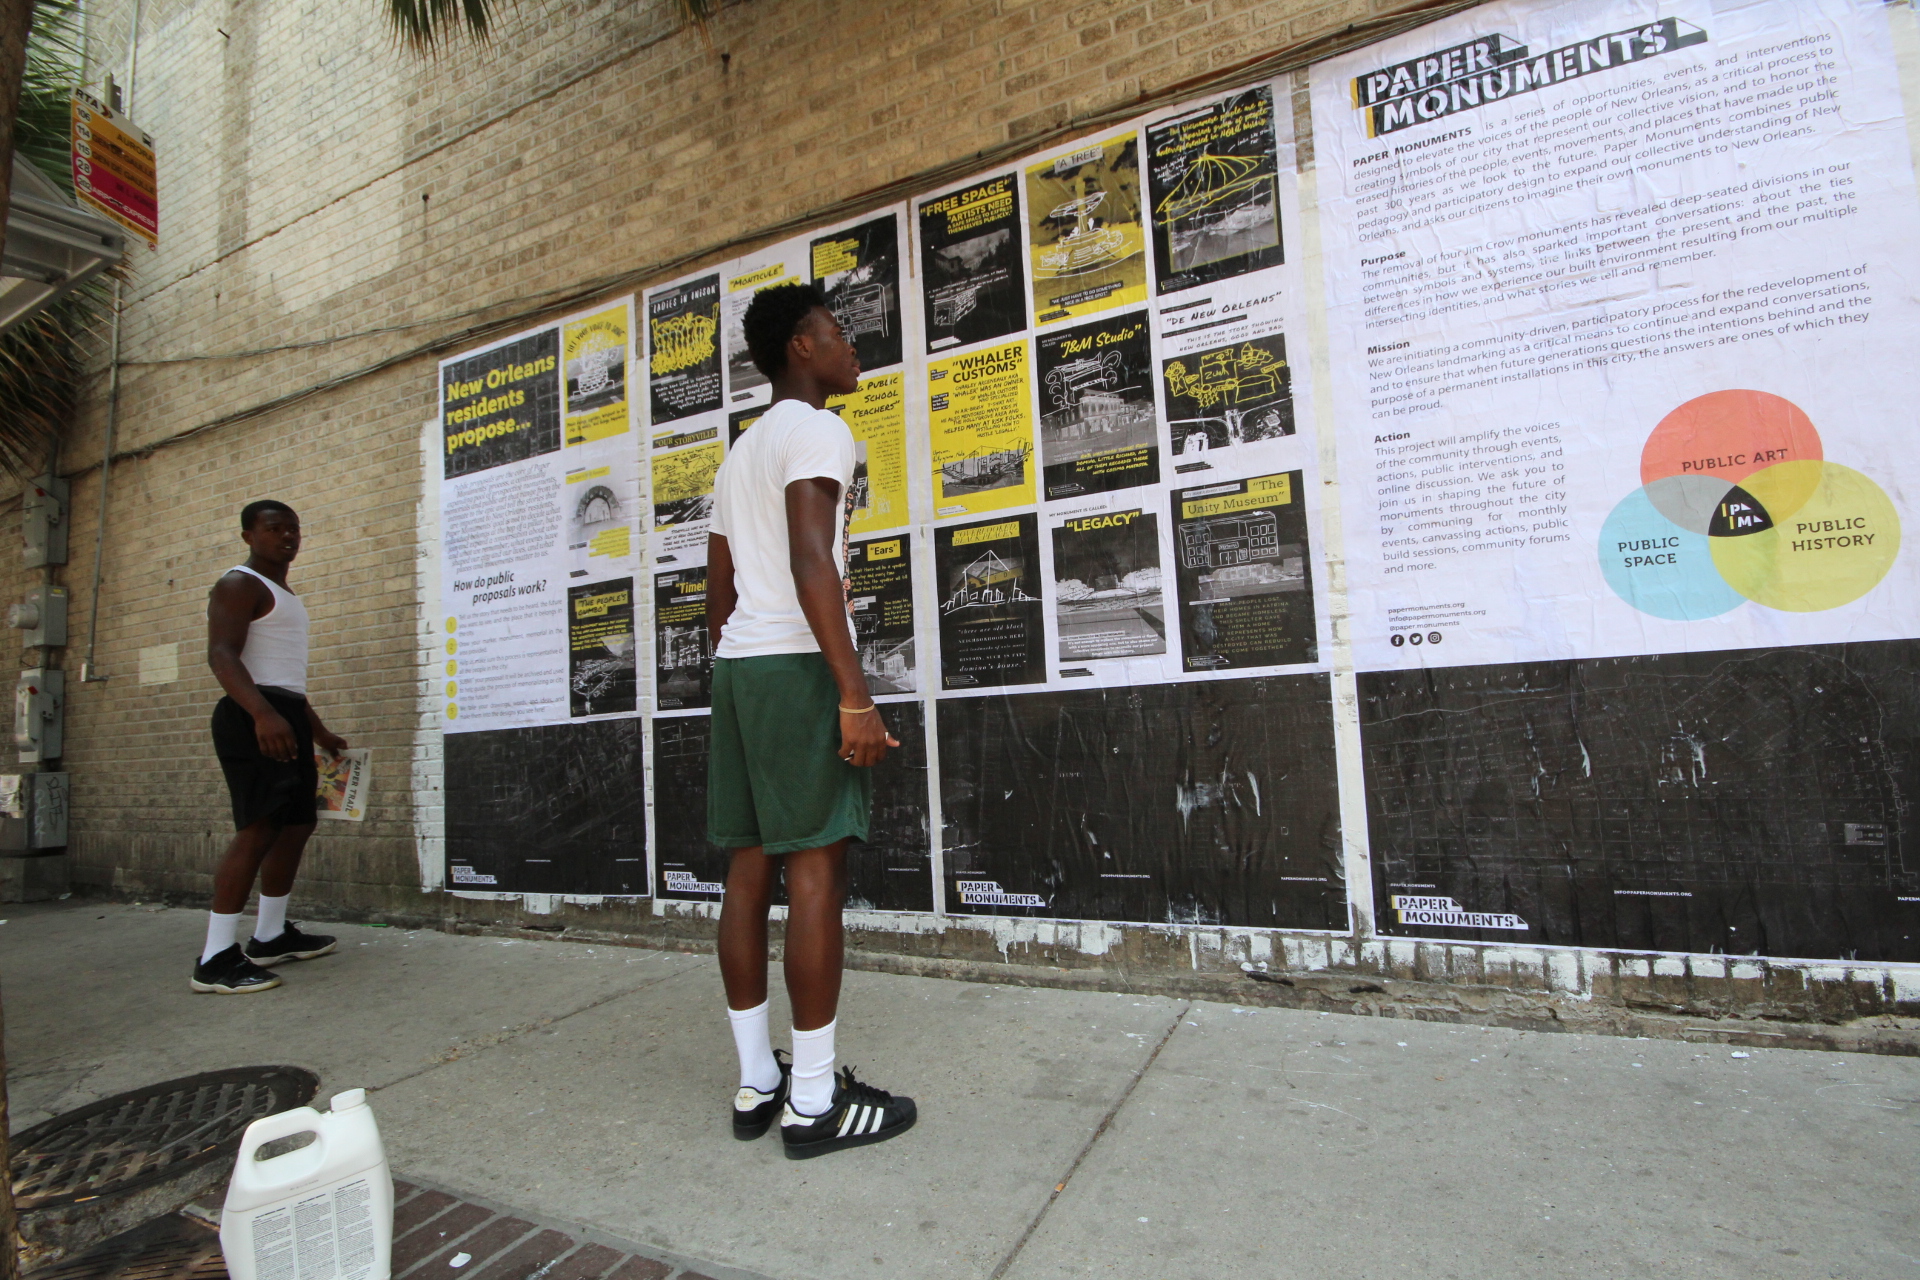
1061,1133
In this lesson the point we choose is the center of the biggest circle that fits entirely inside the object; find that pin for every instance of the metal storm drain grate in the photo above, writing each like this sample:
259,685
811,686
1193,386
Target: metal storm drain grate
169,1248
136,1139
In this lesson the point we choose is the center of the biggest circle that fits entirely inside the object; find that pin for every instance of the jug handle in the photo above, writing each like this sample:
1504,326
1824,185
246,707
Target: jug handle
284,1125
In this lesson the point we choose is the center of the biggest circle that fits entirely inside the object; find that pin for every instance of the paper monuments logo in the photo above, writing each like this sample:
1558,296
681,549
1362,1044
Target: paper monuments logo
688,882
1737,504
1448,913
988,893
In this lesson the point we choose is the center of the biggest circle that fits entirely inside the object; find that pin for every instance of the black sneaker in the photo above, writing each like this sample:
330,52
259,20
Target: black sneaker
860,1114
753,1111
290,945
230,973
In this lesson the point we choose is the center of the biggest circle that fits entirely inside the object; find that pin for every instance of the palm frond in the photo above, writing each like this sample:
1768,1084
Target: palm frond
427,26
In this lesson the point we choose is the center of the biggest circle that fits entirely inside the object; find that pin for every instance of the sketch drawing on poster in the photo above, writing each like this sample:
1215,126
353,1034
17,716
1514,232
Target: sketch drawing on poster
1213,181
858,268
1106,583
880,598
991,628
683,343
1083,220
1097,426
1231,395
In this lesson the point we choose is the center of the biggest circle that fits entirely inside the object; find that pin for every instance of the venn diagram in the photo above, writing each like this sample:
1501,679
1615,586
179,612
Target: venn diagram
1739,503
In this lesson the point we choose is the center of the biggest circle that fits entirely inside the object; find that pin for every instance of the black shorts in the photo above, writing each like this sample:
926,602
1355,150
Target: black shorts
261,788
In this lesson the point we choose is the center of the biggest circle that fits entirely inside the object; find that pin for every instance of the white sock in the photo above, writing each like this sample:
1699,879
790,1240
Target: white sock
813,1070
754,1044
222,932
272,921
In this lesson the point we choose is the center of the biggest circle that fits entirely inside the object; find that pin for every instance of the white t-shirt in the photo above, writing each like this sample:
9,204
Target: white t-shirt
791,441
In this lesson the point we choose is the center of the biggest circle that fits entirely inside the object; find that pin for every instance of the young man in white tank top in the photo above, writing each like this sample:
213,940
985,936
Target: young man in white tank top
264,732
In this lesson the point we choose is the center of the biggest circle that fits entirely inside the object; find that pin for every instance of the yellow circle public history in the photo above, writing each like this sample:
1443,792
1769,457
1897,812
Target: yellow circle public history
1833,535
452,688
453,624
453,646
452,711
453,667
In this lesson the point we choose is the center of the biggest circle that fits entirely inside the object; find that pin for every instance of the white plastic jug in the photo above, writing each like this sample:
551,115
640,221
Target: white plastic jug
324,1212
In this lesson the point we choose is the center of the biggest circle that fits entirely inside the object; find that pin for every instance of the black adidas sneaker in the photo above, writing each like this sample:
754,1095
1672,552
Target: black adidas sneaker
860,1114
230,973
290,945
753,1111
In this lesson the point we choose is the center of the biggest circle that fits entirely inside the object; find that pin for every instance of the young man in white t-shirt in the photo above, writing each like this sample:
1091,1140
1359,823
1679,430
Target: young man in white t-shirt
795,731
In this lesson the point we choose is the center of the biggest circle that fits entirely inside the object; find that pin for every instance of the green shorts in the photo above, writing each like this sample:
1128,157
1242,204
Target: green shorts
774,774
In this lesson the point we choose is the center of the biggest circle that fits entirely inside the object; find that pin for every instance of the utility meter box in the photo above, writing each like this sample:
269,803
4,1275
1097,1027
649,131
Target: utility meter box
33,812
44,522
39,708
41,618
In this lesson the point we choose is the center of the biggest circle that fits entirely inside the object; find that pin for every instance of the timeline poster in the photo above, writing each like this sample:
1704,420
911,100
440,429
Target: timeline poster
682,654
1240,551
876,413
1087,244
992,631
980,413
743,376
1228,395
970,274
594,365
880,597
601,674
683,484
1097,427
1213,183
859,270
683,349
1107,601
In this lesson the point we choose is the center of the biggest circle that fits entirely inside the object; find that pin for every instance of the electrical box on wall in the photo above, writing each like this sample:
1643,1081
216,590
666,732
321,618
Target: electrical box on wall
44,522
41,617
39,706
33,811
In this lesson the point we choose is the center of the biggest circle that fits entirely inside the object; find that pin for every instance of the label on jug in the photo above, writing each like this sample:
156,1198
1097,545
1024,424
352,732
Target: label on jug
324,1236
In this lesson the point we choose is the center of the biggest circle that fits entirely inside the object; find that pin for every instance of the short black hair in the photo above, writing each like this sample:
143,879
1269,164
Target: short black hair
773,317
251,513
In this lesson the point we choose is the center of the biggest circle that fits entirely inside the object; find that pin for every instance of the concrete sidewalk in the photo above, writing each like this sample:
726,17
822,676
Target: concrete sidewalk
1061,1133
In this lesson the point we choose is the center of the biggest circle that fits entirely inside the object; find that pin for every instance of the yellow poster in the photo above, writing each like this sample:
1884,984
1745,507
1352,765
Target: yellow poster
981,417
683,484
594,351
1088,244
877,415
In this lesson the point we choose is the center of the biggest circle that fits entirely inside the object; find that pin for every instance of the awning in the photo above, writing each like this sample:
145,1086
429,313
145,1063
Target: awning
52,245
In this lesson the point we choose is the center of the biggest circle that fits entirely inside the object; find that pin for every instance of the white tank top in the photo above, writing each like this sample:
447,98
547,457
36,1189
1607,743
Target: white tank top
276,652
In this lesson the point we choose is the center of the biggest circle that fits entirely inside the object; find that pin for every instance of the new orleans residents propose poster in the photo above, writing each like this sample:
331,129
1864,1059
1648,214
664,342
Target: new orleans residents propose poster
877,416
1622,313
1097,428
538,489
1214,190
1106,586
1240,549
859,270
992,631
1087,244
981,418
682,653
880,597
683,349
973,286
600,648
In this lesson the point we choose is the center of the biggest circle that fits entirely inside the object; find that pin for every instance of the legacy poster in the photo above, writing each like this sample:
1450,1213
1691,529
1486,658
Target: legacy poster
992,629
859,270
683,349
1097,426
1087,244
973,287
1106,586
1246,599
1213,179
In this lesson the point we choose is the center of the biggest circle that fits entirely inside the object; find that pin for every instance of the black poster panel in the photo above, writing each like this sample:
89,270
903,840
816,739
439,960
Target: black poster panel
991,629
1240,555
859,270
880,595
1097,427
970,265
1747,803
502,405
1204,803
682,650
601,674
1229,395
683,349
892,871
1107,597
1213,177
554,809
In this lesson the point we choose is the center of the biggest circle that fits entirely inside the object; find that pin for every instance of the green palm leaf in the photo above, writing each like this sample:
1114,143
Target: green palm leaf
425,26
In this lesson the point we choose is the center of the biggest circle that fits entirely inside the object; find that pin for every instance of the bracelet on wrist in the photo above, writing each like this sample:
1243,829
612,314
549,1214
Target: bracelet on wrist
859,711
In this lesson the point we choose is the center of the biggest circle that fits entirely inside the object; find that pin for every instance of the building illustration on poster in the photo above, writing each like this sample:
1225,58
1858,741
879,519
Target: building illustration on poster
992,631
1084,225
1214,190
980,410
1097,426
859,271
971,274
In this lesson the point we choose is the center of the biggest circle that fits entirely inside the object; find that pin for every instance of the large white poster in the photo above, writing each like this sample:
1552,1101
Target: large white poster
539,499
1621,297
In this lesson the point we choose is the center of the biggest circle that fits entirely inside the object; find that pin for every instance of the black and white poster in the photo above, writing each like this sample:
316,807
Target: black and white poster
682,654
992,630
859,269
1246,599
970,264
683,349
601,673
1097,427
1107,599
880,598
1226,396
1212,175
502,405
